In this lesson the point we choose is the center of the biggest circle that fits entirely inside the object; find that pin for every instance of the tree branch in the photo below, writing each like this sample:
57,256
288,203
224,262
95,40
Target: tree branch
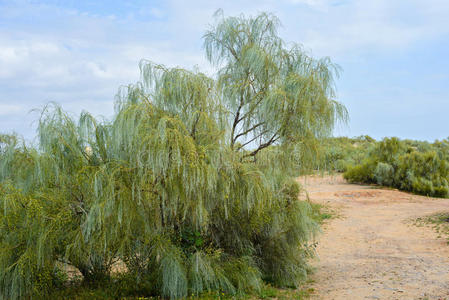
251,140
236,121
248,131
193,132
272,140
257,94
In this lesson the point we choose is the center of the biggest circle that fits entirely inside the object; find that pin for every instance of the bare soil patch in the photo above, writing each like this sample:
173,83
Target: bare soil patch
373,250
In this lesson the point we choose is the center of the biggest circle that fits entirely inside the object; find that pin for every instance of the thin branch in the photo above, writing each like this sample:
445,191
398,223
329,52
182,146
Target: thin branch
194,127
272,140
236,121
252,140
257,94
248,131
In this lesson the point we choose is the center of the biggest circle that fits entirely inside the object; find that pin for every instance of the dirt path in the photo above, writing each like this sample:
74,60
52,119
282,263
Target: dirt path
372,251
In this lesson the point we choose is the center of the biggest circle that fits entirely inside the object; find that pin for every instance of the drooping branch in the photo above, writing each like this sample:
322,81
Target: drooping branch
270,142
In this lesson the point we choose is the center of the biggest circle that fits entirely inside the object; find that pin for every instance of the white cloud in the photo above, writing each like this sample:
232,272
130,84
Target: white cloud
80,58
10,109
322,5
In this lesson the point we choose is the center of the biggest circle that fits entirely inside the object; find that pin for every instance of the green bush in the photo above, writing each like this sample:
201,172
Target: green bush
363,173
418,167
384,174
340,153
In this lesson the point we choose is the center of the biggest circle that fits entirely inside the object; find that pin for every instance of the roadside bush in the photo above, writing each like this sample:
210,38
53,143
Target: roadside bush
340,153
384,174
360,173
418,167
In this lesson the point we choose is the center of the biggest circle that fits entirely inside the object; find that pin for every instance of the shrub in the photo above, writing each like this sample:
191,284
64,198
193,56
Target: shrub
340,153
360,173
418,167
384,174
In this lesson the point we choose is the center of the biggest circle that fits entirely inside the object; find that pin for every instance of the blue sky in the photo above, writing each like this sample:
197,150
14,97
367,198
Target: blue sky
394,55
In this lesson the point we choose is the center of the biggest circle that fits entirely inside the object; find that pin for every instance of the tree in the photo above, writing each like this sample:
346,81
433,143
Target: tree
275,94
189,186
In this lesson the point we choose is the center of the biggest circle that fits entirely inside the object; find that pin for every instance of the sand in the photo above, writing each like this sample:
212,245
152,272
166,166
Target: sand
372,250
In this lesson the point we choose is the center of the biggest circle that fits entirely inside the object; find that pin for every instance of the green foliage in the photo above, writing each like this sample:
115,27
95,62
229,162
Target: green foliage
188,187
321,213
438,221
339,153
418,167
115,290
360,173
384,174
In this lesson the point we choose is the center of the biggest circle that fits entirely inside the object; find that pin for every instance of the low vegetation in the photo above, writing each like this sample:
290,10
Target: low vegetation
340,153
439,222
187,190
418,167
414,166
266,292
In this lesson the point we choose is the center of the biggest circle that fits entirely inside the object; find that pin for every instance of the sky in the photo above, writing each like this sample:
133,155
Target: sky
394,55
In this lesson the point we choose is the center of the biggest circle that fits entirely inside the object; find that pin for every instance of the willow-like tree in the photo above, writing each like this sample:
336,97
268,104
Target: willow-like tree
189,187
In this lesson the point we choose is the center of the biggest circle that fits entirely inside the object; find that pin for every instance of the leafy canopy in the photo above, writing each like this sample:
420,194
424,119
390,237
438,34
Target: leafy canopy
187,189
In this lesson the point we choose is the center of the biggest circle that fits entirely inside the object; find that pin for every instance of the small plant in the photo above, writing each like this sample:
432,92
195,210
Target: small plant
438,221
321,212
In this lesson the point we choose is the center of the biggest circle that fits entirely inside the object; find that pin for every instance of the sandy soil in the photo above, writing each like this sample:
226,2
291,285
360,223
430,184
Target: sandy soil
372,250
